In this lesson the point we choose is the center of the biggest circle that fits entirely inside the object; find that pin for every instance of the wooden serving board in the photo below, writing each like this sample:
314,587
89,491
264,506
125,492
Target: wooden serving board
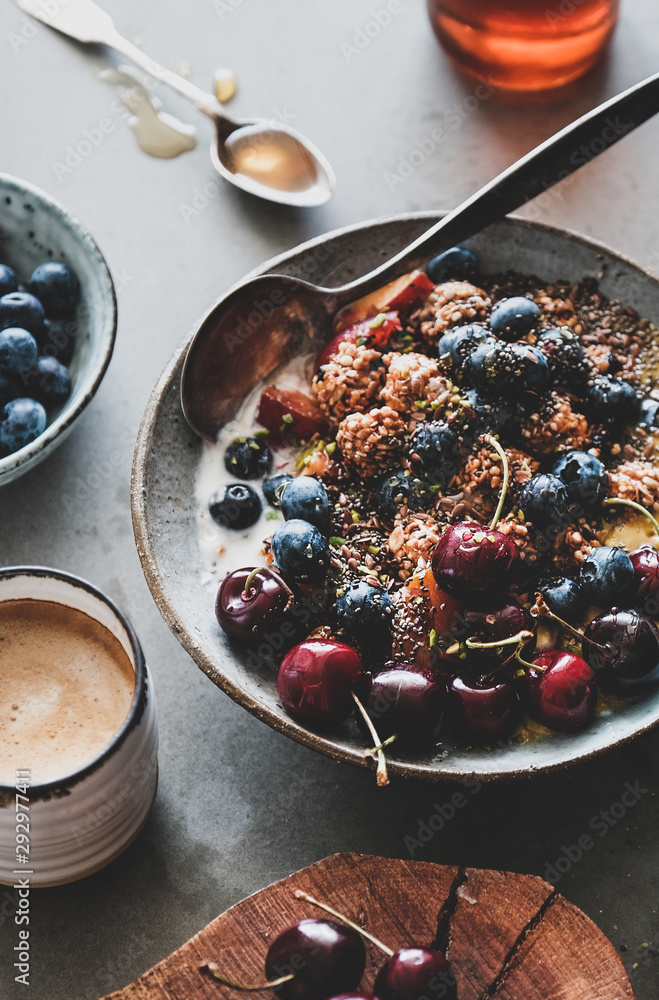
509,937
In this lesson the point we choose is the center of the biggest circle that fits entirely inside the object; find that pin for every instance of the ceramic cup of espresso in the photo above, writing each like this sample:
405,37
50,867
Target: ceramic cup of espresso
78,732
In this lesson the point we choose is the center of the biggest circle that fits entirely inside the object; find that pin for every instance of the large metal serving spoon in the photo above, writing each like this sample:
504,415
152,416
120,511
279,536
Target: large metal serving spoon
266,318
263,157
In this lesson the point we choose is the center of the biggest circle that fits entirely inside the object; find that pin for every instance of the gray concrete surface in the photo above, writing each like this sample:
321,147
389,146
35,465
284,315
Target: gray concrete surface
240,806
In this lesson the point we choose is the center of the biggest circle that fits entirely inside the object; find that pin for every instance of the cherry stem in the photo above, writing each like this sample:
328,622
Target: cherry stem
248,581
210,969
384,744
506,476
618,501
381,773
526,663
520,637
299,894
540,609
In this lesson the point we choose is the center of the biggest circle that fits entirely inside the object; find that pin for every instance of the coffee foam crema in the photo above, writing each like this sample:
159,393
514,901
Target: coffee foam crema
66,685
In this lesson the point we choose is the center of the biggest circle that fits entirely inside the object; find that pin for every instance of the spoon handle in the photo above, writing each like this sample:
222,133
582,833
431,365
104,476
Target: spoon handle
204,102
536,172
85,21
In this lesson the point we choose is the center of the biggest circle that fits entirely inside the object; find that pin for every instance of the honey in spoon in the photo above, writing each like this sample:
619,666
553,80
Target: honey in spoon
271,158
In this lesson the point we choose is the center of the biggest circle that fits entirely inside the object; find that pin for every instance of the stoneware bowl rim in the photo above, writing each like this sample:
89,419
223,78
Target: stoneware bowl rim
334,747
46,788
14,465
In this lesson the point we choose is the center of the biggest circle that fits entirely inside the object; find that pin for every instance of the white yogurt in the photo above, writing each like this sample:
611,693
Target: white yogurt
224,550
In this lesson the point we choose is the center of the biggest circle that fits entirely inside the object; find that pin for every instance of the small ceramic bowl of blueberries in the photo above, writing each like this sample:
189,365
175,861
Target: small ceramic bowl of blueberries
58,320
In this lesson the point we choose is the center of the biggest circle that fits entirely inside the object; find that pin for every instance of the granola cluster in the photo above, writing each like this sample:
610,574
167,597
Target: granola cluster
413,382
454,303
638,481
482,471
349,383
371,442
412,541
556,426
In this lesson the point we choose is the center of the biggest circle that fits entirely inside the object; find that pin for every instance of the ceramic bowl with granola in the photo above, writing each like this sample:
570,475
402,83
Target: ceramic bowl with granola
432,539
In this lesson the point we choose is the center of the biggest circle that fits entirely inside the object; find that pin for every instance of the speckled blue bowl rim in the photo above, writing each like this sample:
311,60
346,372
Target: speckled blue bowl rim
25,456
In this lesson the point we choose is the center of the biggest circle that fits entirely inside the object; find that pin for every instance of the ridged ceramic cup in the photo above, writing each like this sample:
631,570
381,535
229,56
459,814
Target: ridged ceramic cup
81,821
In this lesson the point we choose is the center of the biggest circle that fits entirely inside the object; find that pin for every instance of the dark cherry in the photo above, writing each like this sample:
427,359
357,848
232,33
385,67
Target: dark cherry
326,957
628,663
352,996
246,612
470,559
498,623
646,572
412,973
408,700
562,694
315,681
483,711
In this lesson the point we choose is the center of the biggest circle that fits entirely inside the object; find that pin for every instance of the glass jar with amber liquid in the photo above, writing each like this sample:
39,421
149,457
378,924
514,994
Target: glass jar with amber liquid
524,44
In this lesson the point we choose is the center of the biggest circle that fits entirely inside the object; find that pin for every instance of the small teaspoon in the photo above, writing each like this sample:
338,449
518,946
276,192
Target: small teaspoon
265,158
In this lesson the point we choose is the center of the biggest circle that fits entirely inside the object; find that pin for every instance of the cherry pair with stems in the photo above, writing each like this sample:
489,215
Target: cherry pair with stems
324,960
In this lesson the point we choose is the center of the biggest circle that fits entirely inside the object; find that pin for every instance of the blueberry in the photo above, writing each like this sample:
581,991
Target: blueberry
457,263
49,381
22,420
585,477
530,369
481,415
300,551
23,310
436,452
455,345
364,610
8,281
18,350
544,501
236,506
564,597
273,488
565,355
56,287
400,488
649,413
515,317
306,499
248,458
612,399
487,368
496,369
607,577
